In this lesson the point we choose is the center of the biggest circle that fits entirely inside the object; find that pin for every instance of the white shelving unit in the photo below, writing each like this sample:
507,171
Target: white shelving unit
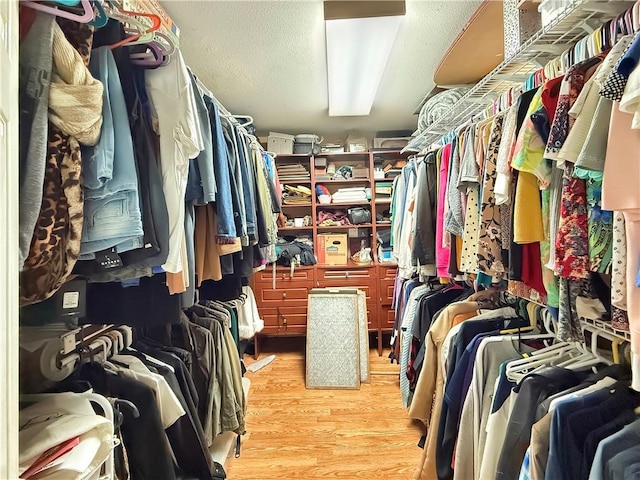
577,20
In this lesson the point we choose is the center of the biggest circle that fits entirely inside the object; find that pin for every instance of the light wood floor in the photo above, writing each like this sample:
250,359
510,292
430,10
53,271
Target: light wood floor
295,433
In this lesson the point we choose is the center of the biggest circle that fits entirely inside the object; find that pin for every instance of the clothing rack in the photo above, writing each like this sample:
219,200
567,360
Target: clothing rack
568,28
501,85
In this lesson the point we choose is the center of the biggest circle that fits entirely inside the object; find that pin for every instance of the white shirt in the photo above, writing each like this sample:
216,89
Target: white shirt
176,121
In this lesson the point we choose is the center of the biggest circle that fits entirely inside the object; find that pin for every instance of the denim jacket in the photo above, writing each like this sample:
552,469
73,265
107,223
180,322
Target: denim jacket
112,216
248,185
201,182
227,201
236,176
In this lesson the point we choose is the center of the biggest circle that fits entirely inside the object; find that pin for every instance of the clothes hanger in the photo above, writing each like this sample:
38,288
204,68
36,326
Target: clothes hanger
127,333
452,286
153,58
592,356
118,403
119,340
149,358
165,42
85,17
516,370
249,119
144,32
114,343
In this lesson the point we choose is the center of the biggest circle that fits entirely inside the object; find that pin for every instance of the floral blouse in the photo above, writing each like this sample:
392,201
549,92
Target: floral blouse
572,241
490,234
570,88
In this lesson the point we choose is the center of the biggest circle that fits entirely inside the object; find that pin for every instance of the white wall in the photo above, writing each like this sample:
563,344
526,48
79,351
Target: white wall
9,239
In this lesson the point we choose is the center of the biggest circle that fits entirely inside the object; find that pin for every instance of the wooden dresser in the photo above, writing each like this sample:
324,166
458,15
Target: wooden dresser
284,308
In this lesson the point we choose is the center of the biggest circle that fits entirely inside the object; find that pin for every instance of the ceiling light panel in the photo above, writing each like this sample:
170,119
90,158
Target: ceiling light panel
357,53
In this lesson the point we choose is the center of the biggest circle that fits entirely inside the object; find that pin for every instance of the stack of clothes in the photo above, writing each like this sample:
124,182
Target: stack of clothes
350,195
299,195
292,172
295,251
332,218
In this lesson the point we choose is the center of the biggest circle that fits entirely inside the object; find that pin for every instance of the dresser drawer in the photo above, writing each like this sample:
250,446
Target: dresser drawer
386,291
345,274
387,318
284,320
369,290
283,276
387,273
289,296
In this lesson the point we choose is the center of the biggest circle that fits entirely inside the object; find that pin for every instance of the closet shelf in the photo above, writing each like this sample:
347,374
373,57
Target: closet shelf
351,180
344,227
288,229
606,327
340,205
577,19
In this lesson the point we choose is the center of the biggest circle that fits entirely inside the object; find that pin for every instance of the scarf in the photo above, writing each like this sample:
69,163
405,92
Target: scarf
75,97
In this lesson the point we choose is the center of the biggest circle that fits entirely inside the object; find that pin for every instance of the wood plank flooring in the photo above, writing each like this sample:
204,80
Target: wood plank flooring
295,433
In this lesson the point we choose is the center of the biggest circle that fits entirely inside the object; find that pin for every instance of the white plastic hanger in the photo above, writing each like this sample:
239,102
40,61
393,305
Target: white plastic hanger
518,369
127,332
591,356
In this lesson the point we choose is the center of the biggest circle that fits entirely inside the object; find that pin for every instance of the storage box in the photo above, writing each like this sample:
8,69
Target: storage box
551,9
384,188
394,143
360,172
303,148
357,143
280,143
332,249
357,232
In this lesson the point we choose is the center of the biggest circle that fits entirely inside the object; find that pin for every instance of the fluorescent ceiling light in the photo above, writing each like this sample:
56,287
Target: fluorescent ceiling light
357,54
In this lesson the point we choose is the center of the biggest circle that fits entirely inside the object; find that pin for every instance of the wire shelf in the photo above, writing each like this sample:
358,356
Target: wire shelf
577,20
606,327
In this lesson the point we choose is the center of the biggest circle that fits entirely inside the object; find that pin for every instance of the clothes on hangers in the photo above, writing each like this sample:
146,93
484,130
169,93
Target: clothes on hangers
179,149
540,212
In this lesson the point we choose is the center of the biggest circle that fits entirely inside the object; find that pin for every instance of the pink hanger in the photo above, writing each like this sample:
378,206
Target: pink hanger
154,58
84,18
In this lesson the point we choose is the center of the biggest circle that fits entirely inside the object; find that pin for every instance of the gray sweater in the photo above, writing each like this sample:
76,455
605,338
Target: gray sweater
35,76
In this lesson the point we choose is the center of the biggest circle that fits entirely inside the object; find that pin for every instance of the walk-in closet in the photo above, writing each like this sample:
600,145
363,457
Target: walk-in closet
307,239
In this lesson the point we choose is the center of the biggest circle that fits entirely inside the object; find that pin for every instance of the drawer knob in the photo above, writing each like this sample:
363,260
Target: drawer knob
346,274
284,275
284,321
284,295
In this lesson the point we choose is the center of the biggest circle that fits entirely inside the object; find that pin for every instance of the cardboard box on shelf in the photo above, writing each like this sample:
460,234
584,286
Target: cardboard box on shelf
332,249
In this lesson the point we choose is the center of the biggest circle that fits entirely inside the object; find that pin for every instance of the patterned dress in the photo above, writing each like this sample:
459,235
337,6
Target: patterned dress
490,234
572,241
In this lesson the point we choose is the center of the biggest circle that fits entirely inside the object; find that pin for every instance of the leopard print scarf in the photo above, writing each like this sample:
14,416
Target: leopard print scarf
55,245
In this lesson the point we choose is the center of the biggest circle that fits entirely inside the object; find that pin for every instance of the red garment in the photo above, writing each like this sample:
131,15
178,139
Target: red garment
550,95
531,273
26,17
572,241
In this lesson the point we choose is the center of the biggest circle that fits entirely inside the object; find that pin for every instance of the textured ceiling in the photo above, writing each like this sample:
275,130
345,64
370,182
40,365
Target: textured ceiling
267,59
